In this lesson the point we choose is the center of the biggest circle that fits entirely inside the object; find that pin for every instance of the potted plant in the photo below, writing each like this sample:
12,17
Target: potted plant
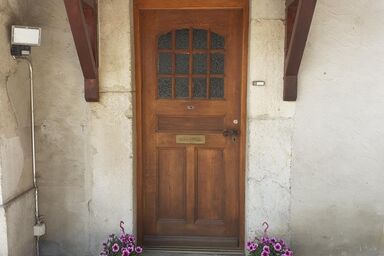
266,246
123,245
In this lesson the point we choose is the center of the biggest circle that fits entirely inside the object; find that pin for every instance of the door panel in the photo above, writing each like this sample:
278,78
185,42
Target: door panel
191,92
210,186
171,184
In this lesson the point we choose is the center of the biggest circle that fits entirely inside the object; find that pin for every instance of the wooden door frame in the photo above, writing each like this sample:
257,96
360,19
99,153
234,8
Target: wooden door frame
139,5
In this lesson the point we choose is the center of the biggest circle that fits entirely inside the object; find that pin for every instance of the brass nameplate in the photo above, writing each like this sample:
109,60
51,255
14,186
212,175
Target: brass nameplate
190,139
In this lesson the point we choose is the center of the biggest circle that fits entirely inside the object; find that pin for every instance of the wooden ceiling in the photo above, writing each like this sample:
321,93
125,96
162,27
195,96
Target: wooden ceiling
82,16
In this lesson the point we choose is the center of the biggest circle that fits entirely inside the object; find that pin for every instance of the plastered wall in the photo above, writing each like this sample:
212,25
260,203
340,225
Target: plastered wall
16,196
314,167
85,160
270,123
337,175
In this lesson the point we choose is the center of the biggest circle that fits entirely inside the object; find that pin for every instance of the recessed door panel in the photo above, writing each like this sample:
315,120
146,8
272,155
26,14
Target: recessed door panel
171,184
211,186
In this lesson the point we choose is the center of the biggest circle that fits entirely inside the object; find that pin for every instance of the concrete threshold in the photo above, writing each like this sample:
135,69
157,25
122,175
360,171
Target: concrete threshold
175,252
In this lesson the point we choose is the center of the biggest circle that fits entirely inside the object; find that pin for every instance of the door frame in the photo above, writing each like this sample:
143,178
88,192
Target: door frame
139,5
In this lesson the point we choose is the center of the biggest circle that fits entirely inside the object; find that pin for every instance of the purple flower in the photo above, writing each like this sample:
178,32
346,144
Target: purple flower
251,246
125,252
130,249
277,247
124,238
273,240
265,240
264,253
288,252
115,247
266,249
131,239
139,249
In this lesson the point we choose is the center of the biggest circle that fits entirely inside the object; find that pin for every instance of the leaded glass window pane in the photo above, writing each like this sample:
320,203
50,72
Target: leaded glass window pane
165,41
217,88
165,63
182,87
217,41
199,63
200,39
164,88
199,88
182,39
217,63
182,63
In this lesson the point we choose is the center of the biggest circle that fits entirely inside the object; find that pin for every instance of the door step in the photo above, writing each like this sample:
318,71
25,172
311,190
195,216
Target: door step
162,252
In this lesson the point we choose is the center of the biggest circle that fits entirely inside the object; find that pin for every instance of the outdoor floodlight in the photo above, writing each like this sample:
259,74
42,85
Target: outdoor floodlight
22,38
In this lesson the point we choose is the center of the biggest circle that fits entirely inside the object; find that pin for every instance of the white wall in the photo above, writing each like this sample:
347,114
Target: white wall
338,168
16,196
314,170
84,150
270,123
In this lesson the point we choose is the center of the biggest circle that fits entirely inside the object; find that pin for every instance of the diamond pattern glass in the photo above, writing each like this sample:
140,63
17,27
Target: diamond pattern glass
182,63
200,39
165,63
176,56
164,88
200,64
182,87
217,88
182,39
165,41
217,63
217,41
199,87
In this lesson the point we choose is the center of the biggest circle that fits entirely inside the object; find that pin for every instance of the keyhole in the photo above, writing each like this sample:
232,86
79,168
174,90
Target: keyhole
233,139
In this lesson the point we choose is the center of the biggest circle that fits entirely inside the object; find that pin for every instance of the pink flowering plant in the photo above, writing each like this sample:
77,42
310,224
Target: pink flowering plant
266,246
123,245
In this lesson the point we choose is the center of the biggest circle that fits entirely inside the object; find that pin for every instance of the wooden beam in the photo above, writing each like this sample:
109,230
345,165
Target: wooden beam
299,19
91,3
82,19
290,2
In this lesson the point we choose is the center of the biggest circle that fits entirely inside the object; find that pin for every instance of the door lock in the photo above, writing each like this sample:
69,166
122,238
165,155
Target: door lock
232,133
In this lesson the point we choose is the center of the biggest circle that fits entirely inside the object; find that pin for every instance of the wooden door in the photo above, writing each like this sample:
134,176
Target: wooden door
191,127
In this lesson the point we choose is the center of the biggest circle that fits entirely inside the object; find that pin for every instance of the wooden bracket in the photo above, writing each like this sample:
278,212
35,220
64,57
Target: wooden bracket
299,14
82,17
